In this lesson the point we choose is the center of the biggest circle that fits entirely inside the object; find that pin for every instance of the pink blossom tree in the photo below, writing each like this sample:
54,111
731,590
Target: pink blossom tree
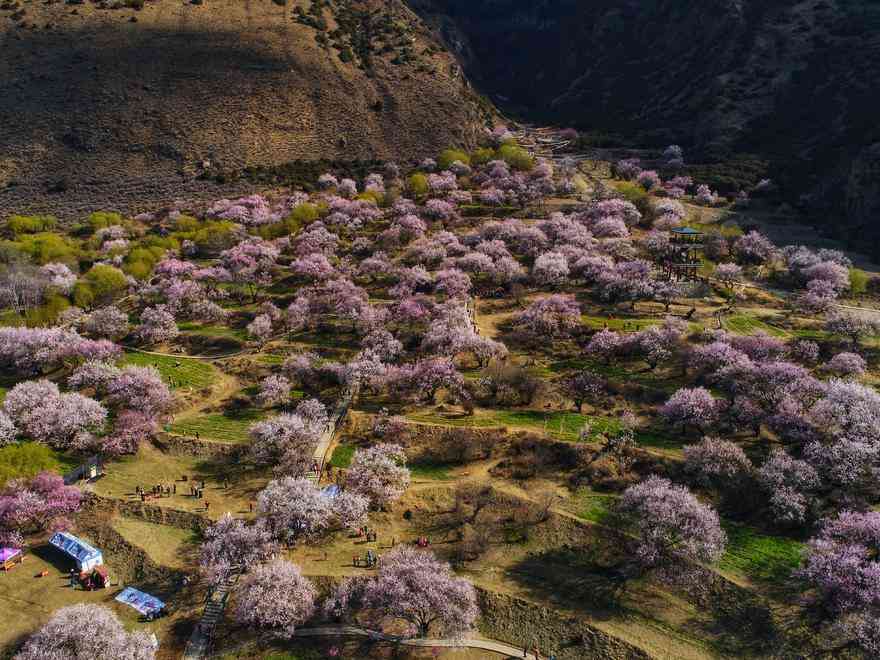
453,283
415,589
550,269
582,386
670,525
8,431
753,248
260,329
286,441
109,322
276,597
694,407
296,509
141,389
86,631
379,473
554,316
63,420
250,263
716,463
30,505
157,326
274,391
847,365
842,564
233,545
788,482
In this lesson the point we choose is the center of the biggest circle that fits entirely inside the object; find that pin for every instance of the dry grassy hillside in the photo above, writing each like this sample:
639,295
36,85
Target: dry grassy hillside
107,107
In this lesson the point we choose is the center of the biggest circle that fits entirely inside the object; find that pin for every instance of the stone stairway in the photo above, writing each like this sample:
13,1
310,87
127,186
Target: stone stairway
200,640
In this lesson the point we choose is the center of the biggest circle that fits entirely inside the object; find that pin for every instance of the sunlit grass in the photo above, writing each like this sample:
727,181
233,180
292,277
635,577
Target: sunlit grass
178,372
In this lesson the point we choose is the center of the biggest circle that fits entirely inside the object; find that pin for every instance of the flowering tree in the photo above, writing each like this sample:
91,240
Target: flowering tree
788,482
250,263
416,589
554,316
7,429
31,350
231,544
86,631
109,322
157,325
379,474
66,421
847,364
691,407
274,390
141,389
453,283
606,344
260,328
59,277
705,196
582,385
649,179
275,596
286,441
842,567
852,326
130,428
550,269
296,509
29,505
671,526
753,248
425,377
717,463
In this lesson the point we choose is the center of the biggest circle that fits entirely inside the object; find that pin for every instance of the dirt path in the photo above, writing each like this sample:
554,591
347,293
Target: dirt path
492,645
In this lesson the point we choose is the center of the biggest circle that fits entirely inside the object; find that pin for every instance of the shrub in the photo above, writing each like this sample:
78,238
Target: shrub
449,156
482,156
100,219
31,224
517,157
858,281
417,184
46,247
105,281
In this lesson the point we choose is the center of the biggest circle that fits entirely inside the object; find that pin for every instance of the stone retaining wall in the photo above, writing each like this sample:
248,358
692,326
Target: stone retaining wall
148,512
522,623
180,444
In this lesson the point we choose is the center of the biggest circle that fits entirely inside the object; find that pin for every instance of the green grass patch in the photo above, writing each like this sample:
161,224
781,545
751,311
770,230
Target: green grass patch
563,425
25,459
342,455
179,372
760,557
618,371
218,426
593,507
201,329
430,470
746,324
619,324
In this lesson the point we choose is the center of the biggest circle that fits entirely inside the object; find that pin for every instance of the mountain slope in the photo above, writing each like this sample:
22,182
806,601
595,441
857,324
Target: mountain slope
793,80
98,104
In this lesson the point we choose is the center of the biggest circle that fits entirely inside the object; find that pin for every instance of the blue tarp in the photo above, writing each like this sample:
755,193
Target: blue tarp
85,556
143,603
330,492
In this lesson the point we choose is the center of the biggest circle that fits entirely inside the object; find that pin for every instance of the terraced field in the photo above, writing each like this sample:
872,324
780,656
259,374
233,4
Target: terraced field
178,372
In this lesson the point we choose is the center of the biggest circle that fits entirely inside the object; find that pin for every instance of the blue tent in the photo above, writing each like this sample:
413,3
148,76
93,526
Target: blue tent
85,556
142,602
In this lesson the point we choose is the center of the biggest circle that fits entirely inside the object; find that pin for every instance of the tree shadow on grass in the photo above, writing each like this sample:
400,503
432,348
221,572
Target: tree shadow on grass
585,579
